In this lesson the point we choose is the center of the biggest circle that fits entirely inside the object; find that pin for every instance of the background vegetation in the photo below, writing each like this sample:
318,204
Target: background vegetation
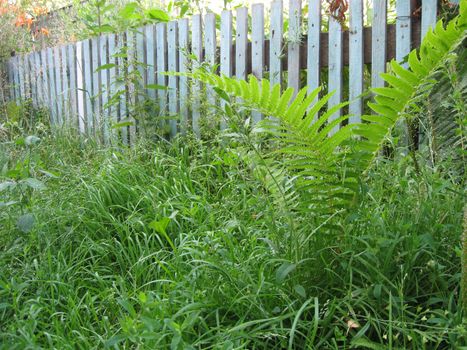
216,244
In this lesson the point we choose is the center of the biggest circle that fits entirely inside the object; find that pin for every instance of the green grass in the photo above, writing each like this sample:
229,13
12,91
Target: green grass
181,246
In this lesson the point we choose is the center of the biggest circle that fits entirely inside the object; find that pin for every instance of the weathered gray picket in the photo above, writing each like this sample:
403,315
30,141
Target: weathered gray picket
68,81
172,58
183,44
210,48
161,63
197,51
335,68
275,43
294,43
226,49
356,60
257,47
378,42
313,54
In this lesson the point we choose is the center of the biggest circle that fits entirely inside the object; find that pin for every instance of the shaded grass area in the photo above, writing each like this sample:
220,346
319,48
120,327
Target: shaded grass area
181,247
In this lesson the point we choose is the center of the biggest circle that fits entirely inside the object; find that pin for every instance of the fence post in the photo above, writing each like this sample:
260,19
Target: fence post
161,35
378,42
429,10
71,57
293,47
356,60
58,85
314,45
226,49
172,41
80,86
197,51
183,40
257,47
336,64
210,44
275,43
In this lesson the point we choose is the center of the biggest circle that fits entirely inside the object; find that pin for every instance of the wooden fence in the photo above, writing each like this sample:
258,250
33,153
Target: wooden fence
67,80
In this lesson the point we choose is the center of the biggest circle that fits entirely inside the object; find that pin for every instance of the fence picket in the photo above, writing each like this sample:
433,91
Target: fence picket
95,44
65,85
80,86
149,33
161,37
293,47
32,78
335,78
403,30
183,40
356,60
58,84
11,79
378,42
22,80
71,57
241,43
131,97
172,45
226,49
142,81
87,68
429,10
141,60
112,96
16,78
122,73
275,43
51,84
314,45
45,80
197,51
104,87
39,81
210,45
257,47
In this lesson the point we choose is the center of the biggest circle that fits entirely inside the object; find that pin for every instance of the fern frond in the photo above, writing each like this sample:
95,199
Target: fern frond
329,166
407,86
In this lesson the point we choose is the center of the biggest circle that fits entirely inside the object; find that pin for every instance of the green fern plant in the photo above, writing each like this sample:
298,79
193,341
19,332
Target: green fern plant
329,165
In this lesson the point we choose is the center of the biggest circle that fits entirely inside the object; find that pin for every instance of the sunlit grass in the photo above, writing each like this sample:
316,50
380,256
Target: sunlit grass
180,247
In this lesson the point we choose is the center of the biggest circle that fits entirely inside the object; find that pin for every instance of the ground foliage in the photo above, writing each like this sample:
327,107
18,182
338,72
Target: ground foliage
182,246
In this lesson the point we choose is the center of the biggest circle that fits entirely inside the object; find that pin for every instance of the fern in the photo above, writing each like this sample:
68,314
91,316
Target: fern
328,166
406,88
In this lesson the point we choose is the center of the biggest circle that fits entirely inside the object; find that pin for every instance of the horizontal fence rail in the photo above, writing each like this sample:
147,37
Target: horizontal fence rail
115,78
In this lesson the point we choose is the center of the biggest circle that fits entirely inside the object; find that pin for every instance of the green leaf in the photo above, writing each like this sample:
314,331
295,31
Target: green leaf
51,174
158,14
34,184
7,204
105,28
160,226
32,140
105,67
26,223
128,10
156,87
222,94
7,185
284,270
122,124
300,290
361,343
126,304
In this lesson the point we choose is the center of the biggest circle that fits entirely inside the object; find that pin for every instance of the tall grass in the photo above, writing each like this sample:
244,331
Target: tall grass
181,247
